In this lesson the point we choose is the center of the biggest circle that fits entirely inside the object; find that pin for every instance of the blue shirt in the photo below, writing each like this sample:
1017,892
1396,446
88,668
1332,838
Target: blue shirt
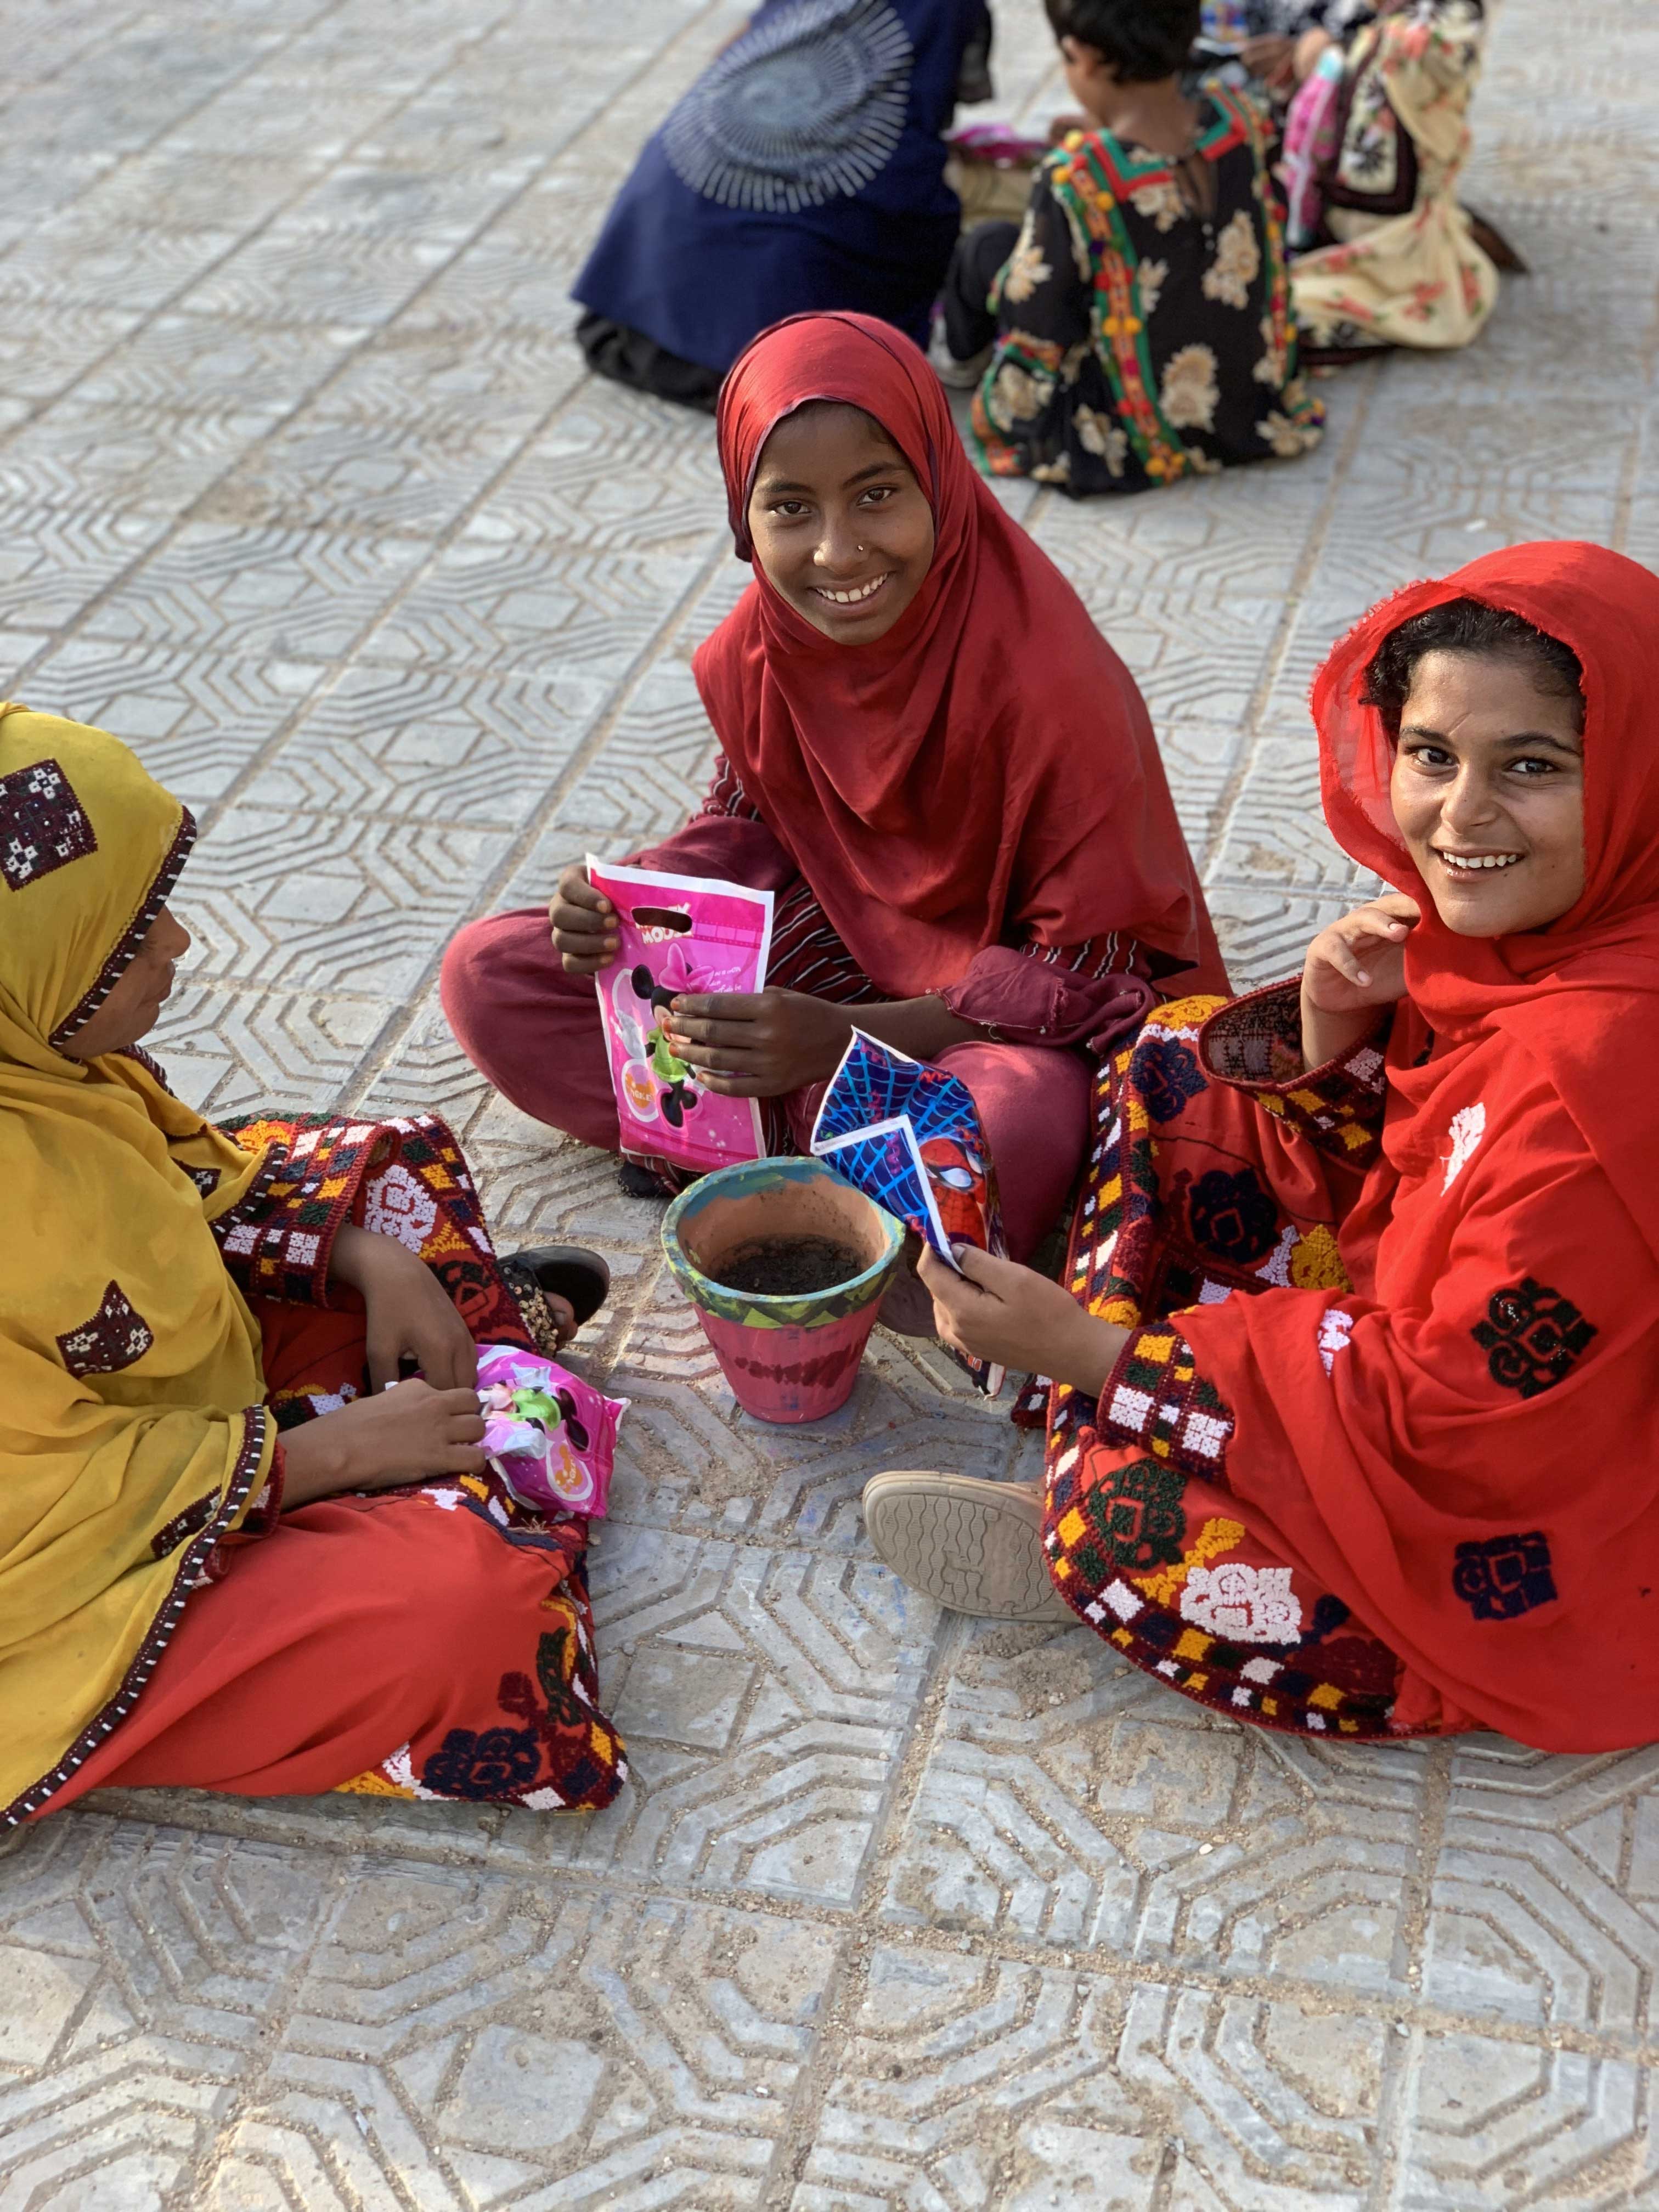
803,171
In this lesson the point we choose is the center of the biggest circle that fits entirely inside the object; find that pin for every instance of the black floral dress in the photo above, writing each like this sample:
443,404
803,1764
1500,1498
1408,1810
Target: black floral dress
1145,329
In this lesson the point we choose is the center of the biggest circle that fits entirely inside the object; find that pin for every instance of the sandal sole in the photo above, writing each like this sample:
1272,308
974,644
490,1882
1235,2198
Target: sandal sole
975,1554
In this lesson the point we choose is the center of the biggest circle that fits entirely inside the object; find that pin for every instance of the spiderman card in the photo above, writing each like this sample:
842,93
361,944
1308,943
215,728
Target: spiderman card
907,1135
678,933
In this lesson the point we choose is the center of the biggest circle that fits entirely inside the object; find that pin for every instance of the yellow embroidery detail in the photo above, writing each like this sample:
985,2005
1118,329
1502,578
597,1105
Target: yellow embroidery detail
1183,1013
1316,1264
1194,1644
1326,1694
1214,1536
372,1785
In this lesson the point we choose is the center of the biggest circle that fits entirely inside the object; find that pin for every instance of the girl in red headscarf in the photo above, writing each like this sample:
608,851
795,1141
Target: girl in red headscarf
1352,1426
932,756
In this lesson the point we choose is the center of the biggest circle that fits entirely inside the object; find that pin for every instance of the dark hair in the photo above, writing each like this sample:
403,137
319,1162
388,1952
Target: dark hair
1142,41
1468,626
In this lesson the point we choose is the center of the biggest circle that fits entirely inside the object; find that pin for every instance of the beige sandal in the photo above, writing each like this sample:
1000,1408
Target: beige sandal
975,1547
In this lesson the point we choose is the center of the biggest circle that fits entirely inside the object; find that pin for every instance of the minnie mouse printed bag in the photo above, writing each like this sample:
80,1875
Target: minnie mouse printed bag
678,933
550,1436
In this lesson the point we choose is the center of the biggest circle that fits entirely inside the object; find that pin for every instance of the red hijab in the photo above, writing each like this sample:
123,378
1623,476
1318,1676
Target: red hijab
1570,994
1475,1468
985,773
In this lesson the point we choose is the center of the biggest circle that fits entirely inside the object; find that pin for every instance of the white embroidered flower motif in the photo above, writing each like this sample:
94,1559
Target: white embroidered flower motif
1237,264
1025,270
1099,434
1059,470
1018,395
1335,1328
1161,204
1189,391
1248,1605
1287,438
1149,283
1468,1126
397,1205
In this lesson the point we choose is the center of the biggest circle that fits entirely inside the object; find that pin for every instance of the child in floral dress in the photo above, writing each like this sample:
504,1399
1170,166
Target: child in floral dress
1139,321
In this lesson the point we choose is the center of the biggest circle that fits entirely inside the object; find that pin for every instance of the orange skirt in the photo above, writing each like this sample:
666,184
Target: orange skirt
435,1642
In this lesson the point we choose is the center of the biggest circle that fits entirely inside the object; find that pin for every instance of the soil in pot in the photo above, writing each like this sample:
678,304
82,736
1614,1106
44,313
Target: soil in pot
788,1267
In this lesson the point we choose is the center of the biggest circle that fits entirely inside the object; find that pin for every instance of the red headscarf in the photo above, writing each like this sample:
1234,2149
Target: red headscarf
1490,1397
984,773
1565,993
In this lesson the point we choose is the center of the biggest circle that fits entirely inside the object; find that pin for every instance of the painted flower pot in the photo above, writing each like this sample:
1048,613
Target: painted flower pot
793,1357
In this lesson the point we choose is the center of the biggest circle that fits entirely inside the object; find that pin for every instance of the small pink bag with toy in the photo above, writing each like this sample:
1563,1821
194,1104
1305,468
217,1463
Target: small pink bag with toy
549,1436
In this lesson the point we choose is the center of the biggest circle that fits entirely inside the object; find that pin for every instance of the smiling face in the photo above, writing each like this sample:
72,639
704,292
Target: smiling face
133,1006
841,526
1488,790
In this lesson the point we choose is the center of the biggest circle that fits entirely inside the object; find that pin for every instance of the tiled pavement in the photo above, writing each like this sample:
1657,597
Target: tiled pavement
303,488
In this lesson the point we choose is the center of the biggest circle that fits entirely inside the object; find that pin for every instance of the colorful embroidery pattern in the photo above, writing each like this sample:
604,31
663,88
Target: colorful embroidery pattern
183,1526
1142,1534
114,1338
43,825
1257,1041
1153,387
1232,1216
1534,1337
1504,1576
407,1177
554,1753
1155,1398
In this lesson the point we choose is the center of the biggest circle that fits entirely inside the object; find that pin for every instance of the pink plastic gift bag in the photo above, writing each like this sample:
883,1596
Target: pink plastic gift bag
678,933
550,1436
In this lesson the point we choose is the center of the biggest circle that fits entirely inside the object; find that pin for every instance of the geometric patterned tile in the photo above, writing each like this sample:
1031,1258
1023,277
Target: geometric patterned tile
1490,2124
457,2041
54,560
298,595
146,460
286,900
975,2083
763,1697
194,719
498,605
430,745
198,360
1545,1902
1068,1798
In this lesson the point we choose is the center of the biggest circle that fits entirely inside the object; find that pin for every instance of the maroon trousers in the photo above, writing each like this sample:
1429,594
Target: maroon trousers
534,1031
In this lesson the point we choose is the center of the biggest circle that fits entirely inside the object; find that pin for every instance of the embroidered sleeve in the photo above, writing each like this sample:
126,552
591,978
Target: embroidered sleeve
1156,1397
725,794
1255,1044
276,1242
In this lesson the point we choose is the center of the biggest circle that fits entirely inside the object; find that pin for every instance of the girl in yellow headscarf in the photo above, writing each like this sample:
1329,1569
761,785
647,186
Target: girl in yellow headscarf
227,1560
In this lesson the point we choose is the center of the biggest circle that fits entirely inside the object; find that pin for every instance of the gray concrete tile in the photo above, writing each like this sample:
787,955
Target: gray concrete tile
1068,1798
763,1697
304,491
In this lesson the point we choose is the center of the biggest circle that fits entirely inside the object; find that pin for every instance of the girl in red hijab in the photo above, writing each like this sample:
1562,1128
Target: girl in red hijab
932,756
1352,1430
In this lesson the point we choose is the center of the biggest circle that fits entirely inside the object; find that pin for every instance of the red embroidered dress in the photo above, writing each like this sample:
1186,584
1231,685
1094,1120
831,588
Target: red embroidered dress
1381,1455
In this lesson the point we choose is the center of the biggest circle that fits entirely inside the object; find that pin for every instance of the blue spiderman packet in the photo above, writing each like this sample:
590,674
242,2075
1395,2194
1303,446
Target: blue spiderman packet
907,1135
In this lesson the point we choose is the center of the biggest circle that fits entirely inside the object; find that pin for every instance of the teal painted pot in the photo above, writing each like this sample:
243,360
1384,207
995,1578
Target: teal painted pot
788,1358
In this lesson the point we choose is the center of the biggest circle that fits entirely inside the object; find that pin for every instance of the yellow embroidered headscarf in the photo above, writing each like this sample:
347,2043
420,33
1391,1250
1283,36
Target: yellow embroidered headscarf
132,1428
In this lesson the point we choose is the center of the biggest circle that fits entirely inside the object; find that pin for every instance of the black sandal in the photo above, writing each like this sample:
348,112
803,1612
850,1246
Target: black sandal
569,1272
